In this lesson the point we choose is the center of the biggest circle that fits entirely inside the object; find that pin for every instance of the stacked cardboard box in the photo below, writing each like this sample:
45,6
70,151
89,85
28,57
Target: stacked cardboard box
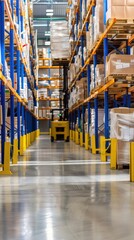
120,9
42,93
42,52
120,65
79,93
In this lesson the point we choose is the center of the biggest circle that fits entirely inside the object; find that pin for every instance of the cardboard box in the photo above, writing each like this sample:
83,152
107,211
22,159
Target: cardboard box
120,64
129,11
116,12
111,3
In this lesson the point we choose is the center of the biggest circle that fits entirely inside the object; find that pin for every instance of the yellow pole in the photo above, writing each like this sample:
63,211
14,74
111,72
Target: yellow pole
6,165
77,137
103,149
81,139
93,144
71,136
132,162
86,141
113,153
15,151
27,140
21,146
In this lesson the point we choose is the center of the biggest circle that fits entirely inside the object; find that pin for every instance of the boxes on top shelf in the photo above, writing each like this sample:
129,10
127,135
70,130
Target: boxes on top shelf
59,37
120,9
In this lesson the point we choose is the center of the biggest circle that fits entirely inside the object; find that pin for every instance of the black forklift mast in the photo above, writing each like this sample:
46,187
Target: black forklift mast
65,92
63,109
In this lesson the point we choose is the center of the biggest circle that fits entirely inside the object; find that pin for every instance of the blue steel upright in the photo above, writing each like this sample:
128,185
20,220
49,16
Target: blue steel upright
12,75
2,53
22,82
106,104
18,77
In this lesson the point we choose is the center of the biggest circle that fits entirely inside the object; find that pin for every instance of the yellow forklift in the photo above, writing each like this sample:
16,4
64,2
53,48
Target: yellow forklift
60,127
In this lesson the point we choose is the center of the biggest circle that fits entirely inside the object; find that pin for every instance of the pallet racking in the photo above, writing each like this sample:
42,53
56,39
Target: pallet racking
112,93
12,51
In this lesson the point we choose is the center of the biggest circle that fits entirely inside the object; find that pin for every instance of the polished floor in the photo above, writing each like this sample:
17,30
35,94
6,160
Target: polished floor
59,191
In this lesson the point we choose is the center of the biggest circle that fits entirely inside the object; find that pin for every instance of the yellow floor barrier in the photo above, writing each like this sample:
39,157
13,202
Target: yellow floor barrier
6,166
24,142
77,137
93,144
113,162
103,149
86,141
27,140
21,145
81,139
15,152
73,135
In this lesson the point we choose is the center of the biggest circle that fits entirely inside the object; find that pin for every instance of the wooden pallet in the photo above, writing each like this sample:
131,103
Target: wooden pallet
122,166
121,78
122,29
60,61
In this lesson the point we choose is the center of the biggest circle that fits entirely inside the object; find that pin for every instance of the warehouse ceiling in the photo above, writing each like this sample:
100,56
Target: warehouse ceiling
45,11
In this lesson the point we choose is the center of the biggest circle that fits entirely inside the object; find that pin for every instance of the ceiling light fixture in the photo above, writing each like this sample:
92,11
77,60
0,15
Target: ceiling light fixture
47,43
49,14
49,10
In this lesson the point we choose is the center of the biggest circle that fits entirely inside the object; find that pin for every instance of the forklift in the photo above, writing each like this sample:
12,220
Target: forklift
60,127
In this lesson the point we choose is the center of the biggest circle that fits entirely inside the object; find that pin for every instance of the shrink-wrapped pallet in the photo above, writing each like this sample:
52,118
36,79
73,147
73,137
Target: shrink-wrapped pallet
122,129
122,124
120,9
59,39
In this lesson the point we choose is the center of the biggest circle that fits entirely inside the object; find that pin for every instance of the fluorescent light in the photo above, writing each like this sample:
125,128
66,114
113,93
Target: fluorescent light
47,43
49,14
47,33
49,10
40,25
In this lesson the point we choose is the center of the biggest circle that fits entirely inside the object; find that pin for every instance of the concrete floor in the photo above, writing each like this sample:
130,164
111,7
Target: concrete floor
59,191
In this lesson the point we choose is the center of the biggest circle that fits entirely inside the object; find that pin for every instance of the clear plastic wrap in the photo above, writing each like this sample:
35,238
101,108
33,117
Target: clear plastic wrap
59,39
122,124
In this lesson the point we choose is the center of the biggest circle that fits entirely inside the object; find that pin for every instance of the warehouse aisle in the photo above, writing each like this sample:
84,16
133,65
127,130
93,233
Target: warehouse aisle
59,191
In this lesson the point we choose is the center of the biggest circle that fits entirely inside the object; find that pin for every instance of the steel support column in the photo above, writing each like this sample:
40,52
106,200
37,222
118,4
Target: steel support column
2,43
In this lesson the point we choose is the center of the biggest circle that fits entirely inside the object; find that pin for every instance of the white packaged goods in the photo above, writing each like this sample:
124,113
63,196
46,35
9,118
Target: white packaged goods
120,9
122,124
59,37
100,121
98,21
7,72
42,93
123,152
36,111
43,83
40,113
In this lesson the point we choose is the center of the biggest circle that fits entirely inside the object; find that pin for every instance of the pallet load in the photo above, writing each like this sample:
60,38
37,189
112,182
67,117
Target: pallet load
59,40
120,65
122,129
120,9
